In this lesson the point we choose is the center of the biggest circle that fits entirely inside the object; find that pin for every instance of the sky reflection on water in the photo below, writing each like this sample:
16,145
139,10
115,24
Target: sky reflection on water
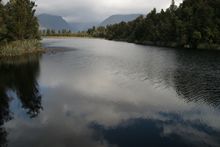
105,93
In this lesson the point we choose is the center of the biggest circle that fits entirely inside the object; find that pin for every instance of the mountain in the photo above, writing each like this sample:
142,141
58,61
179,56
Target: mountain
48,21
114,19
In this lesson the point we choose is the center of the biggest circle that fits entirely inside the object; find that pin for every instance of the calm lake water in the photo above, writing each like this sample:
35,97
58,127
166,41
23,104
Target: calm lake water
98,93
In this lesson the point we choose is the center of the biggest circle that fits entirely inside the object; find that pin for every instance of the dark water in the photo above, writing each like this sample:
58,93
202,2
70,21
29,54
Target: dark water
97,93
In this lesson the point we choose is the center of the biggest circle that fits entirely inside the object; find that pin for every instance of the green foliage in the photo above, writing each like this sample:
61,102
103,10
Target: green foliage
62,33
22,22
3,30
18,28
189,25
196,37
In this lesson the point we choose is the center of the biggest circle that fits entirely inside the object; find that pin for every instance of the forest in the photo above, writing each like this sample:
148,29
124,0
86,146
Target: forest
192,24
19,27
62,33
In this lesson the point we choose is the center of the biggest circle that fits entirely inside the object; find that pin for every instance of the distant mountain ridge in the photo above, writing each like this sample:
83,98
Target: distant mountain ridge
54,22
114,19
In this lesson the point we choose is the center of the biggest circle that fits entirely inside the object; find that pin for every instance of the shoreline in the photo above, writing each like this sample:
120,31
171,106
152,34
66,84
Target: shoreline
202,46
21,48
31,47
67,37
38,51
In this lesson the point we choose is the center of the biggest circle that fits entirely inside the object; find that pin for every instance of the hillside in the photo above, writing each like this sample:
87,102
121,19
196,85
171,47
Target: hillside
114,19
48,21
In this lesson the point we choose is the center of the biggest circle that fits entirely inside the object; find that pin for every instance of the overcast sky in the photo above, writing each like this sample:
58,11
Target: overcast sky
97,10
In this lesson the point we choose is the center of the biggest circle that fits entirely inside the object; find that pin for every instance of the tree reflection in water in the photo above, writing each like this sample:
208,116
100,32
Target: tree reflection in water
197,77
20,76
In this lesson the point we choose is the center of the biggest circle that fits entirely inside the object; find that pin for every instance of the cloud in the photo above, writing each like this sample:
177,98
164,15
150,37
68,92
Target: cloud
97,10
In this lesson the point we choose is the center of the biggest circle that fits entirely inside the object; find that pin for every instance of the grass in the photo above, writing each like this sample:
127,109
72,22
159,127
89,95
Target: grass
19,60
21,47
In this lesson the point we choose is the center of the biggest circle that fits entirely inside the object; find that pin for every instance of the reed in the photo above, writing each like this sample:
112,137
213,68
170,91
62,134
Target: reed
21,47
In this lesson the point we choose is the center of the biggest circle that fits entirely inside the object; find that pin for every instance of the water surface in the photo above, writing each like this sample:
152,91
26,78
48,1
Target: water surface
98,93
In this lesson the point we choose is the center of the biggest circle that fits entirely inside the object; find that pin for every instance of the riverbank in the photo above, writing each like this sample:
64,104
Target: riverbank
201,46
19,60
67,36
19,48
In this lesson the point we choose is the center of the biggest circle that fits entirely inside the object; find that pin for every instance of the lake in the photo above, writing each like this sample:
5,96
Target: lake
99,93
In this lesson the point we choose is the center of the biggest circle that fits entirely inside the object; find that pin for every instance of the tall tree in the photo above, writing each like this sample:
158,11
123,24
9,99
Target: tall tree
3,30
173,7
192,24
22,23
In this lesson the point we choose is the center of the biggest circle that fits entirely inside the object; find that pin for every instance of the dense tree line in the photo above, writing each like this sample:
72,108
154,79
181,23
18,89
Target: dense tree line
52,32
192,24
63,32
18,21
